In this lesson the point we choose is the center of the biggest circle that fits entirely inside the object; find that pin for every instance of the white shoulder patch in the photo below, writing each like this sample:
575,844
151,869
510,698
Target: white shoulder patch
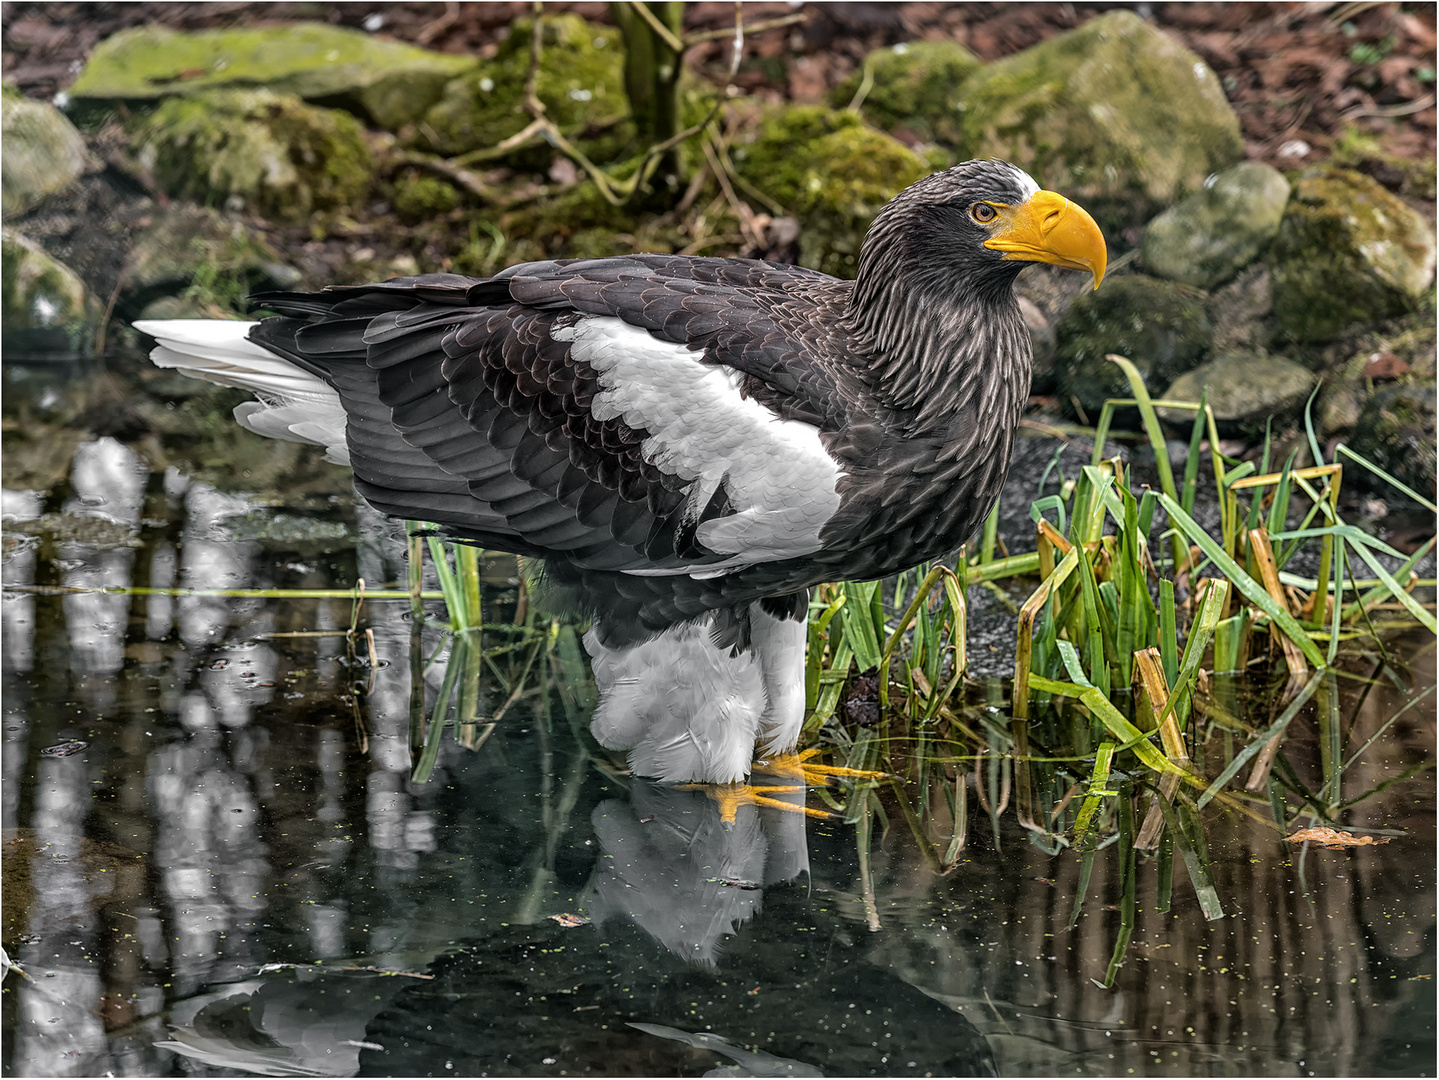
780,479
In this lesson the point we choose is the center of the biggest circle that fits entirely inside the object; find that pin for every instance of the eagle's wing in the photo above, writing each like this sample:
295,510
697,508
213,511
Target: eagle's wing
649,415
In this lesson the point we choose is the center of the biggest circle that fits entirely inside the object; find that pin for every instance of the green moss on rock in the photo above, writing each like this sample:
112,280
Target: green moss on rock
1347,252
581,85
45,310
43,152
419,197
1220,229
1396,432
1114,114
1159,325
279,156
386,82
831,172
914,87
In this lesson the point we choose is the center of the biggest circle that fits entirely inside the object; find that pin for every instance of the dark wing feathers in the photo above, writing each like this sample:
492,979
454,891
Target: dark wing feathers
426,364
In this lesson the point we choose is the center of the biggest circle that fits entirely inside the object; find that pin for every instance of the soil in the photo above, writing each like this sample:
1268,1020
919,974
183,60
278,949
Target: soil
1296,73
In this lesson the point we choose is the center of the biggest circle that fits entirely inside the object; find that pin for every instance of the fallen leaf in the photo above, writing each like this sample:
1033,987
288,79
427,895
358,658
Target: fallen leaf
1333,838
569,921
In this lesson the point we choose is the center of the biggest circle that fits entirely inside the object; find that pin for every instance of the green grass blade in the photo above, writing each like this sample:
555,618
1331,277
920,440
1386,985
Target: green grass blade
1252,590
1191,463
1260,740
1377,471
1184,826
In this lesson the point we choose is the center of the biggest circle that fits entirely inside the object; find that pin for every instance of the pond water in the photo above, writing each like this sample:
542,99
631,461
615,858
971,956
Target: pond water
217,861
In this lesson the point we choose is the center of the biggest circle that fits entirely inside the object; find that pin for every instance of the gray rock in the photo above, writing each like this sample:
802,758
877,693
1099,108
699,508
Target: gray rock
45,311
1045,294
1213,234
388,83
1159,325
1115,114
1396,432
43,152
271,153
1240,311
1347,252
1245,390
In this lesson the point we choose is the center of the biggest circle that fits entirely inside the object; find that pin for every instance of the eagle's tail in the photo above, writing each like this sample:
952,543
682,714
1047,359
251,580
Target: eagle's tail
292,403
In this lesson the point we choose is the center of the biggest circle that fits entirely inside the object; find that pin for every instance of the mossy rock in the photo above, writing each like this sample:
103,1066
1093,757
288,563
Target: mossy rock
1411,177
43,152
1114,114
831,172
419,197
581,84
45,310
914,87
1245,391
277,155
1347,252
1396,432
209,259
1159,325
1213,234
577,224
385,82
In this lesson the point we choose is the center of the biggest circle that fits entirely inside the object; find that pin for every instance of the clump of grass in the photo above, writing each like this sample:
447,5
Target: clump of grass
1121,659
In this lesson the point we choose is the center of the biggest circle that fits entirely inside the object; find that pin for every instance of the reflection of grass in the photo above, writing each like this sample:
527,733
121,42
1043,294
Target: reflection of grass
1125,663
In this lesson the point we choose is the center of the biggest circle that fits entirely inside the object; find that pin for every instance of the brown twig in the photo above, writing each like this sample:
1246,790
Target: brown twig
456,174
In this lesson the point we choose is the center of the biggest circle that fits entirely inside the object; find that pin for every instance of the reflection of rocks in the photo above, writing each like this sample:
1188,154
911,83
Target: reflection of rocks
43,152
1347,252
1211,235
385,81
671,867
1245,391
1115,114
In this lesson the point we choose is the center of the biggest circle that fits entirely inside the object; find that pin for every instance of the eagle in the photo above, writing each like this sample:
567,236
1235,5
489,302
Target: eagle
689,444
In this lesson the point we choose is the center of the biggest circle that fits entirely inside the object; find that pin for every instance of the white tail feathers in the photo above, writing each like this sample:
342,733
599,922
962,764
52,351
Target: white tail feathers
293,404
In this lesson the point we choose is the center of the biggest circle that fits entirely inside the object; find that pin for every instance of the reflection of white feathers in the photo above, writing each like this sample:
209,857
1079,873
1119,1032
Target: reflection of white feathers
746,1062
685,708
300,1021
670,866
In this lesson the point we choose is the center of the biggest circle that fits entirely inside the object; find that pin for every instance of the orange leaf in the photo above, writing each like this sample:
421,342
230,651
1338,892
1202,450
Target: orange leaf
1333,838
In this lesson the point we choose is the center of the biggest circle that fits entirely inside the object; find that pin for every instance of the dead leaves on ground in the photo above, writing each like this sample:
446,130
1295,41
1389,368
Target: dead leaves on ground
1333,839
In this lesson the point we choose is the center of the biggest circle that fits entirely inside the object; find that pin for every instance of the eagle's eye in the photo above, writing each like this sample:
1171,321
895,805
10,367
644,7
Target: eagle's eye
983,213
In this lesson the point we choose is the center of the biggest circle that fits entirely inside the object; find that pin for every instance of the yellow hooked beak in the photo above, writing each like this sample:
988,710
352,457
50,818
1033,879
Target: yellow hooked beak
1049,228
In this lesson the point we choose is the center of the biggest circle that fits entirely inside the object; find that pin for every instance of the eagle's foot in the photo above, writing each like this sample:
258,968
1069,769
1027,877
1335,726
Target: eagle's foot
811,773
731,797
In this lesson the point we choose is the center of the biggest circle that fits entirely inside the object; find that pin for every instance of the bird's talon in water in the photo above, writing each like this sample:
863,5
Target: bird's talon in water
812,774
731,797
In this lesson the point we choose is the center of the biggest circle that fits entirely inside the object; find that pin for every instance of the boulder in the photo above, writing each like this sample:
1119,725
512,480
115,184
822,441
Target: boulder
913,88
1347,252
1045,294
1115,114
253,149
830,172
582,84
385,82
1213,234
43,152
45,311
1159,325
1396,432
1245,391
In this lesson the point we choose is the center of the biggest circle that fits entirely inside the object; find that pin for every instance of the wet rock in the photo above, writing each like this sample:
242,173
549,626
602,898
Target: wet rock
385,82
1245,391
43,152
45,311
1114,114
1240,311
1396,432
1159,325
914,89
829,171
1045,294
1347,252
581,85
1213,234
270,153
202,256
